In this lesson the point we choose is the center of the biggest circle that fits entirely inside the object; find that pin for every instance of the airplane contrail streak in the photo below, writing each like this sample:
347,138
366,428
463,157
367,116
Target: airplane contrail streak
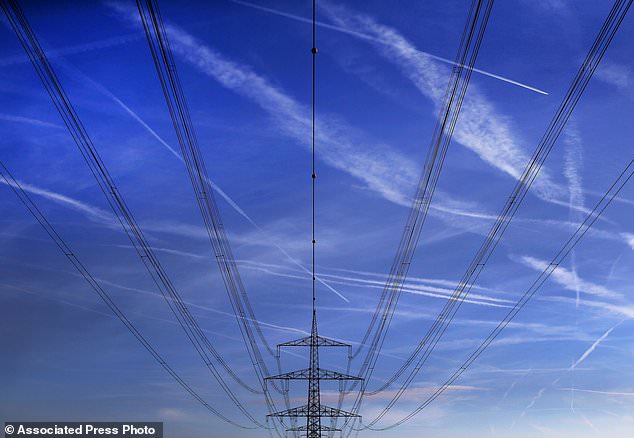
370,37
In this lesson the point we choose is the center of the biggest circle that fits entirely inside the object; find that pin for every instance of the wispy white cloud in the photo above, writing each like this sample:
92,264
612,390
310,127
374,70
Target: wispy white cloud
185,229
508,341
578,362
623,309
435,281
573,163
90,211
549,5
373,164
28,121
417,286
481,128
96,309
420,392
629,238
544,430
617,75
571,280
370,37
611,393
73,50
106,219
612,302
535,327
573,167
415,289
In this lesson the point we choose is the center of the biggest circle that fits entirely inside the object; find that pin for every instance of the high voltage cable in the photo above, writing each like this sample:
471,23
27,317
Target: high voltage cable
163,59
166,68
454,96
477,259
51,83
470,42
554,129
558,259
436,153
96,286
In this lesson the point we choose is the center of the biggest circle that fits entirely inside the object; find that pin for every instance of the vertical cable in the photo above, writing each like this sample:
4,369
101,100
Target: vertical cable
313,175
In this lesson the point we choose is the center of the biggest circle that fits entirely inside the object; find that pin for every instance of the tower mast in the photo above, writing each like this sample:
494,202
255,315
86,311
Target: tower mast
314,411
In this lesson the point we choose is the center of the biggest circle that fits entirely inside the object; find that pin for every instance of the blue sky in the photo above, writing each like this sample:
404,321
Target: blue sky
563,368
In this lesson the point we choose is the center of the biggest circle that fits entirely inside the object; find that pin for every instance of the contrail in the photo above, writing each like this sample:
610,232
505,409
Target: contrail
592,391
28,120
94,213
594,345
515,382
103,90
370,37
534,400
578,362
73,50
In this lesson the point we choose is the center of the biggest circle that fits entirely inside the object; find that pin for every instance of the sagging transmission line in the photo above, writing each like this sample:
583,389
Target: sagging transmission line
547,142
470,42
30,205
163,59
557,260
115,200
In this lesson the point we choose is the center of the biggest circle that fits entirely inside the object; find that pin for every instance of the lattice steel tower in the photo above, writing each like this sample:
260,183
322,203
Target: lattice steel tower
313,410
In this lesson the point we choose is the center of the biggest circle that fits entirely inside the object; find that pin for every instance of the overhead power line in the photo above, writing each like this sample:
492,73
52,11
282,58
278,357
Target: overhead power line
375,334
163,60
557,260
470,42
105,297
429,341
188,323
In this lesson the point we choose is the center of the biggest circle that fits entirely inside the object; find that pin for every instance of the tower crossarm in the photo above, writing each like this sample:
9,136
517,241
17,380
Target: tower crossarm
324,411
305,375
322,429
307,342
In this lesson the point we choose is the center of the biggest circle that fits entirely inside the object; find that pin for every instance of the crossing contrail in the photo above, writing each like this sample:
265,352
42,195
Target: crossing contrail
81,76
370,37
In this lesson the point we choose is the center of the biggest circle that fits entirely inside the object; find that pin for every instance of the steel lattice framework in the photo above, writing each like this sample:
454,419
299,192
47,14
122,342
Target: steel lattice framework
313,410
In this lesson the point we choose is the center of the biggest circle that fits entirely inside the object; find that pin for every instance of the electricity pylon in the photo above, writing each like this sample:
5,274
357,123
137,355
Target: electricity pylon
314,410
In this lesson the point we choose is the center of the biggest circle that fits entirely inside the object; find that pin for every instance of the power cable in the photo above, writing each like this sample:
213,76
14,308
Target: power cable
557,260
470,42
554,129
96,286
195,334
171,86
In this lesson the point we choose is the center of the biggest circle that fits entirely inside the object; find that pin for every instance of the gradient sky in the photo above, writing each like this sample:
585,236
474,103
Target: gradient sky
564,368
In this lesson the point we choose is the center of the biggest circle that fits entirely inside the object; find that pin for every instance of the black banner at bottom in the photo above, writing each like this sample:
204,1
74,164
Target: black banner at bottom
83,429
